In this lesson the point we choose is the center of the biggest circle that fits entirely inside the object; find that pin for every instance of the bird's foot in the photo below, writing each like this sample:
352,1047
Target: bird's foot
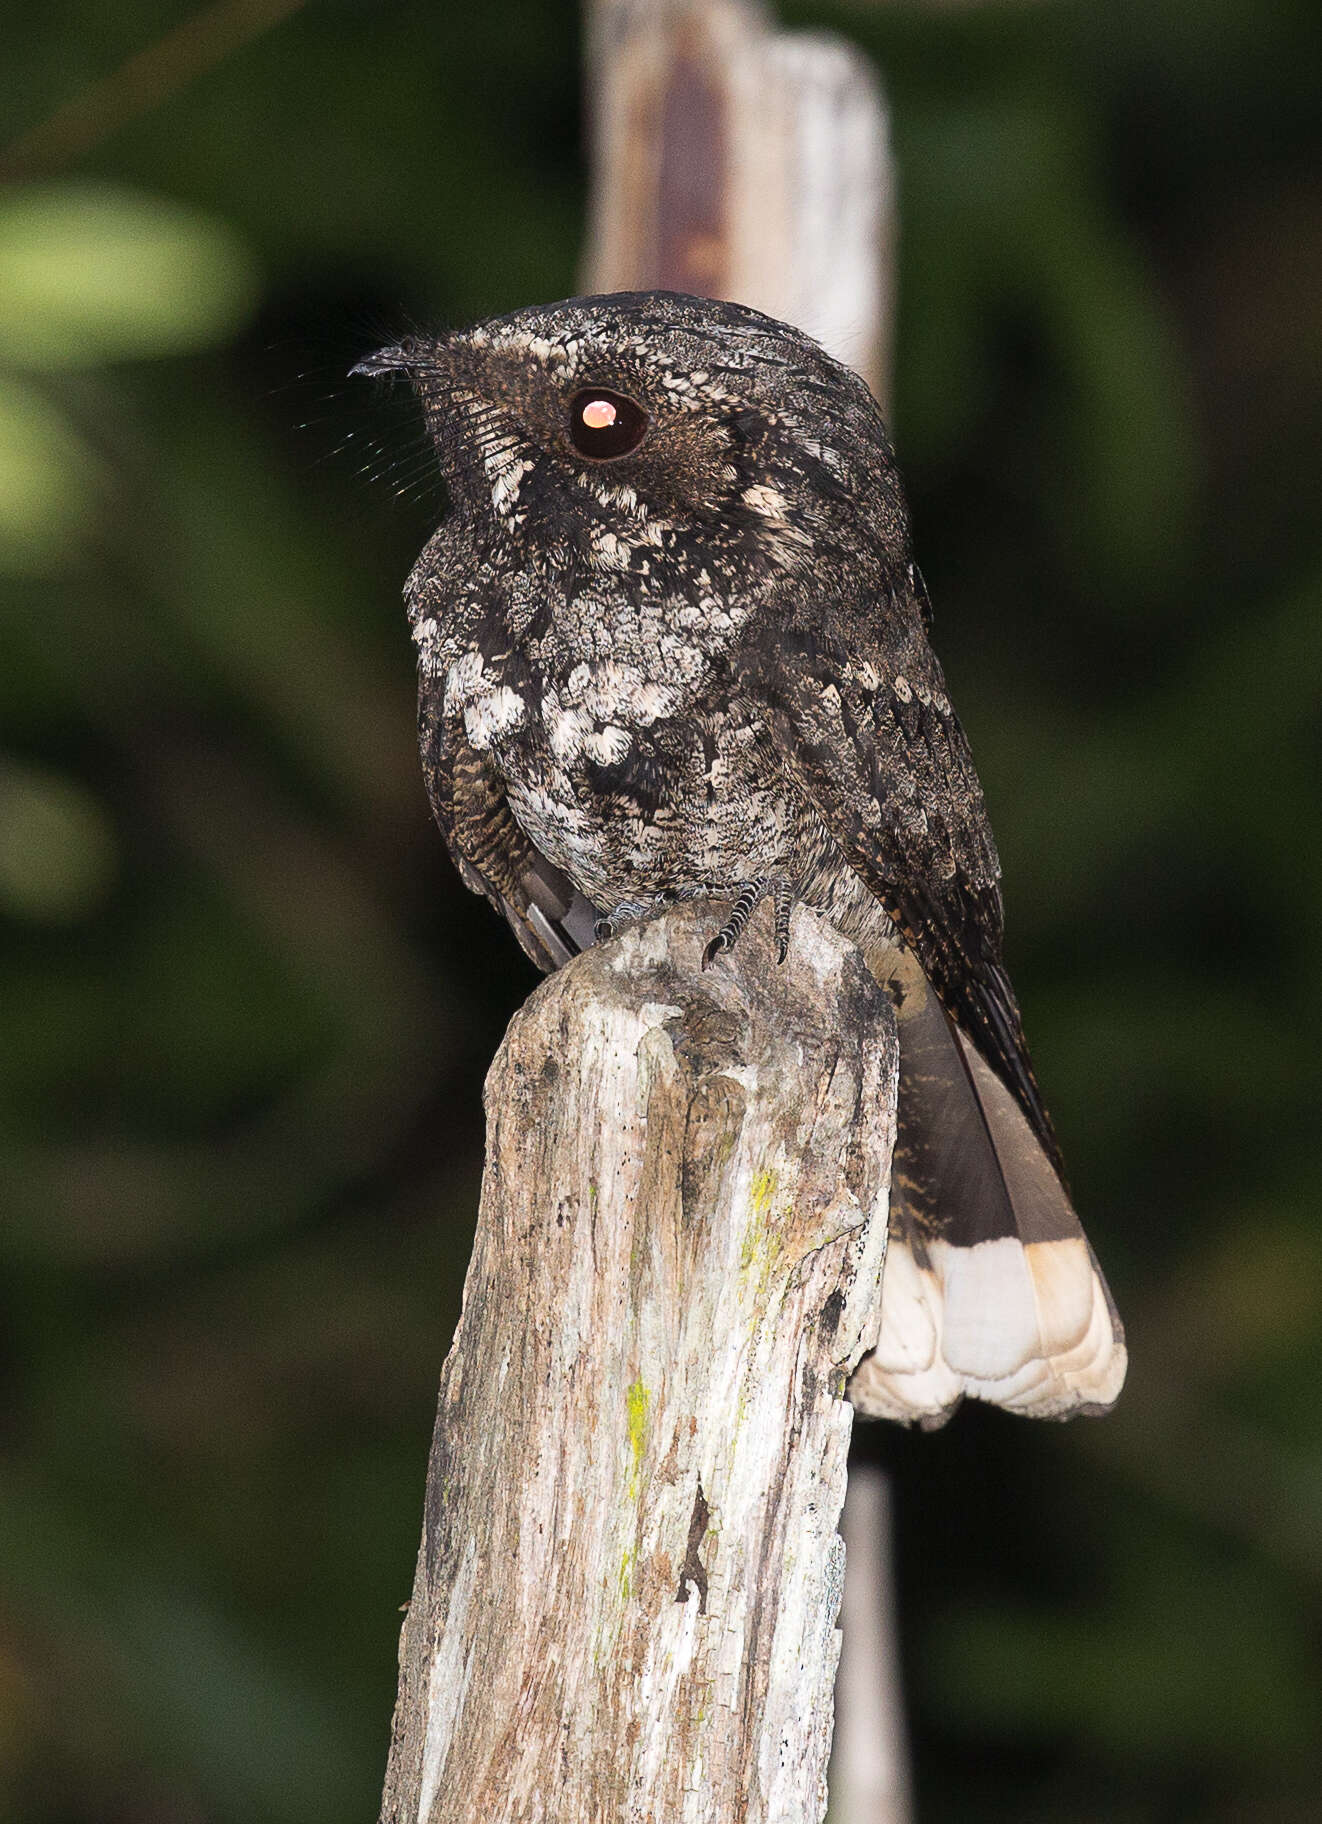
628,912
633,911
750,897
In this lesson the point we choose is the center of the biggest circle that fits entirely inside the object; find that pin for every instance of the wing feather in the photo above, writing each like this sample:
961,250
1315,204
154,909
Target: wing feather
550,917
868,733
991,1288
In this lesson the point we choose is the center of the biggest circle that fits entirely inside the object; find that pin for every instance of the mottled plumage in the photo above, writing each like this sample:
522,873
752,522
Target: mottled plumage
672,641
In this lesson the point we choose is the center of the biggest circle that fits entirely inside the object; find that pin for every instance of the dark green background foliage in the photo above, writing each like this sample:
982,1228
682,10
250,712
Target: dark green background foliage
247,1005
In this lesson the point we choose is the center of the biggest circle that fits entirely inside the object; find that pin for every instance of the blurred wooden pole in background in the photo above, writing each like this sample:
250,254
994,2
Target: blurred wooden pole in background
735,161
869,1776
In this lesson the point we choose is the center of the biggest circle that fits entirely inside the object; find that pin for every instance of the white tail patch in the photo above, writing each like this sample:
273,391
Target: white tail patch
1025,1326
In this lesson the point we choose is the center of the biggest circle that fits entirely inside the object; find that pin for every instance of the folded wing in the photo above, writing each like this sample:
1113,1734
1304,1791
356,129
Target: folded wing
991,1288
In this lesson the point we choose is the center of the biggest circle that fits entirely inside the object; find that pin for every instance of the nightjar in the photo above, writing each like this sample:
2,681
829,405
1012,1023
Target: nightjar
672,641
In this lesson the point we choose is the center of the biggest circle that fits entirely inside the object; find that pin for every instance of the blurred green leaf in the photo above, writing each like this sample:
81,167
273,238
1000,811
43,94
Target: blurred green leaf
92,273
50,481
57,850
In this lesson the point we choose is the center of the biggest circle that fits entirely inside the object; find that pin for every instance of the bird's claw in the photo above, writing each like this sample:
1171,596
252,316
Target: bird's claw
632,911
750,897
718,943
628,912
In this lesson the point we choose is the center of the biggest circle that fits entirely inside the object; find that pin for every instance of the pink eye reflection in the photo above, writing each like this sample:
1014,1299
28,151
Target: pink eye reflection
598,414
604,425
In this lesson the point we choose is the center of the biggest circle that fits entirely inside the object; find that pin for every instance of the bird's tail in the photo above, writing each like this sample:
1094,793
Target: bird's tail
991,1290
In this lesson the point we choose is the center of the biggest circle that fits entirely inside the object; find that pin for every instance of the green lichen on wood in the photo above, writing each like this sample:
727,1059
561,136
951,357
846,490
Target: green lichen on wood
763,1239
638,1401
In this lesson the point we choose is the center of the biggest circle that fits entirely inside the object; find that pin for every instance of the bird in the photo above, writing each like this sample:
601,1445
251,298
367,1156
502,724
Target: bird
673,643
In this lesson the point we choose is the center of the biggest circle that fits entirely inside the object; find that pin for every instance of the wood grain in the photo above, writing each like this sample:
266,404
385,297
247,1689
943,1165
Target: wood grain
626,1596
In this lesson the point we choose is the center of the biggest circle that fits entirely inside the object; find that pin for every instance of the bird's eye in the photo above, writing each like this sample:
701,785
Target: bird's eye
604,425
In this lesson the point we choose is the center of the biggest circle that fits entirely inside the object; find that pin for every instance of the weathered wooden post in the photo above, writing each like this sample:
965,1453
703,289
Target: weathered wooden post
627,1590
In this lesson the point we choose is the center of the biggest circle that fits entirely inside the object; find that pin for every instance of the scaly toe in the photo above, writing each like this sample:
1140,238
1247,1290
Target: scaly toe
630,912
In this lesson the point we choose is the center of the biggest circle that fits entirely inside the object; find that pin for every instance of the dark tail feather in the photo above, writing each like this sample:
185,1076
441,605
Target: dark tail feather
552,920
562,918
991,1289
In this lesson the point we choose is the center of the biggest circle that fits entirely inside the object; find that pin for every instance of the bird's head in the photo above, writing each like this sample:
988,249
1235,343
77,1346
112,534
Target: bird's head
637,428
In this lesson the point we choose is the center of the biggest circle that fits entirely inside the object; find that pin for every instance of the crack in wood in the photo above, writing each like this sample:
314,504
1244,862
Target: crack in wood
693,1571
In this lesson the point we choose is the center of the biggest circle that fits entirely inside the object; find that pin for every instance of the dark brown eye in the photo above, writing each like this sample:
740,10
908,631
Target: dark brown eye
604,425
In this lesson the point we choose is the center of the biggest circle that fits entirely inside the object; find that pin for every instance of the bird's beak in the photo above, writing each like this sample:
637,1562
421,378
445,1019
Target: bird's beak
416,356
385,361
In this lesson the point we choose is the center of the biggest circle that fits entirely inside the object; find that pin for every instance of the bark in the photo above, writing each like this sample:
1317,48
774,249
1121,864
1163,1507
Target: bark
626,1595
